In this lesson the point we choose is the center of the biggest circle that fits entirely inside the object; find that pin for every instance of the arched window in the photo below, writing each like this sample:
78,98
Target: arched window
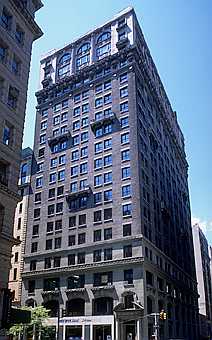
103,306
84,49
52,306
104,37
103,45
65,58
84,55
75,307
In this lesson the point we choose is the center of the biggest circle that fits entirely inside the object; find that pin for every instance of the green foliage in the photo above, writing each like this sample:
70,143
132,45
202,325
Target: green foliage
38,316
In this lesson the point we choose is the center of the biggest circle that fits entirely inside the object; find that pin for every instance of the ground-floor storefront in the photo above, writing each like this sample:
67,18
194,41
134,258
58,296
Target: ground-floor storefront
97,328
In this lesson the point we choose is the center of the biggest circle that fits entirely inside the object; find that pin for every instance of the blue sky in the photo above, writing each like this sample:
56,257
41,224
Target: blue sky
178,35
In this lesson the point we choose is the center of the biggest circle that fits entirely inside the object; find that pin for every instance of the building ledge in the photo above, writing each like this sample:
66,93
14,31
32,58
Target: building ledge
72,195
85,267
103,288
95,124
55,139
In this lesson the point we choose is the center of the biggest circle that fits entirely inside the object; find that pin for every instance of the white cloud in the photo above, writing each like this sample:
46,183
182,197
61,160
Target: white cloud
206,226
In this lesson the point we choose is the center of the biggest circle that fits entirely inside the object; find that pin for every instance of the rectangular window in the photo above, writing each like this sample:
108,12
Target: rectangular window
74,170
108,160
99,102
97,216
124,107
56,120
98,88
72,221
57,242
33,265
57,107
35,230
125,155
76,125
49,244
49,227
81,238
82,219
127,230
84,168
60,190
85,108
51,209
102,279
71,259
108,214
6,19
47,263
57,261
97,197
61,175
108,99
62,159
97,235
59,207
128,276
84,136
77,97
127,209
98,163
71,240
127,251
76,111
42,138
64,116
125,172
12,97
98,147
108,196
85,94
126,190
107,178
58,225
107,144
124,122
124,92
107,234
98,180
31,286
84,122
52,193
84,152
80,258
97,255
52,177
108,254
123,77
37,213
19,35
107,85
125,138
34,247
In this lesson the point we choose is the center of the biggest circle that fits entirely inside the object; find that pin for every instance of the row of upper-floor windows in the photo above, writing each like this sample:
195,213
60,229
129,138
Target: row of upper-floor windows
80,220
83,54
73,282
98,216
98,256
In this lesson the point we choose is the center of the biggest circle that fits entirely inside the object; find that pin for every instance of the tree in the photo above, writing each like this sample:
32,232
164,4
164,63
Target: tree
38,316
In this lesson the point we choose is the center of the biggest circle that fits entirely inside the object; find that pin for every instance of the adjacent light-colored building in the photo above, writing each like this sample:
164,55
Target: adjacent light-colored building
18,30
109,236
20,225
203,272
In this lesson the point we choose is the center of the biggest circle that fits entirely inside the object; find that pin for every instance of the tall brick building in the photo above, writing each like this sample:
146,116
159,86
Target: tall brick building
18,30
109,235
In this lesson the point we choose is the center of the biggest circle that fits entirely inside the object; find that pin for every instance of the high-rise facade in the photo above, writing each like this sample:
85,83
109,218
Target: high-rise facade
110,201
203,273
20,224
18,30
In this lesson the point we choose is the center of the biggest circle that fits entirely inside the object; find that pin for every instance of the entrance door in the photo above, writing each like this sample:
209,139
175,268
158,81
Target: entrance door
102,332
73,332
129,330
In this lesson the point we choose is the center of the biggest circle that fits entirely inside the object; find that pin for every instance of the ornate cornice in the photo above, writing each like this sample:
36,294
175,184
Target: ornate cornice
84,267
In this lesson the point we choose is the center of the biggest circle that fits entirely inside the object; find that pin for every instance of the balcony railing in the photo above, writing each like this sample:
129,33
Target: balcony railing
81,192
122,43
107,118
59,137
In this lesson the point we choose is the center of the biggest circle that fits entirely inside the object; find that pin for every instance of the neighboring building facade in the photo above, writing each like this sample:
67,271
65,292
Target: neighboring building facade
20,225
203,273
18,30
109,230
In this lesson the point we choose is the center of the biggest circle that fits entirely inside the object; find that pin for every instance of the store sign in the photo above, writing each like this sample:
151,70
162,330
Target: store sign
75,321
